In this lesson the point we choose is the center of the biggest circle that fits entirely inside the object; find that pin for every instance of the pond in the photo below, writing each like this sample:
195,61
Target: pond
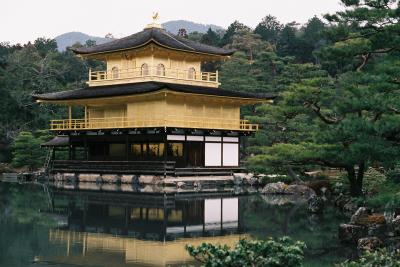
63,225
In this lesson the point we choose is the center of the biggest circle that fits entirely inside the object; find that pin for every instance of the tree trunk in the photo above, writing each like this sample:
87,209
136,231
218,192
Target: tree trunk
356,179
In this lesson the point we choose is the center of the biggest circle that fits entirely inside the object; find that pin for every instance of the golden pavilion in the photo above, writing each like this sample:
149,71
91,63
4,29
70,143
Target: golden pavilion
153,110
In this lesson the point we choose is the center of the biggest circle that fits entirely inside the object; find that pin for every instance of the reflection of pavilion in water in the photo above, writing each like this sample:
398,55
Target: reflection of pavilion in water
145,229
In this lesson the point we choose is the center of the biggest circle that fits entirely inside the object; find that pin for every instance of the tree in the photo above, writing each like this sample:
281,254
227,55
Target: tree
312,39
281,252
237,73
364,32
27,151
195,36
182,33
346,123
249,42
269,29
288,42
350,120
210,38
230,32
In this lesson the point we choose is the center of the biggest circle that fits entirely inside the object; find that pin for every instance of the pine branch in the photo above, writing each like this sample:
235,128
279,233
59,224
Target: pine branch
317,110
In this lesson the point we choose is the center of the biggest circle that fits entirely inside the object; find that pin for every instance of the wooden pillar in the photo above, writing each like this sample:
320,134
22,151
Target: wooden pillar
222,213
70,152
127,146
165,154
70,116
86,148
53,154
85,117
186,151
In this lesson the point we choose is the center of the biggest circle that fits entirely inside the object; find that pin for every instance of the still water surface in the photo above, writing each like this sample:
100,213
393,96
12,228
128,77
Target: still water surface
67,226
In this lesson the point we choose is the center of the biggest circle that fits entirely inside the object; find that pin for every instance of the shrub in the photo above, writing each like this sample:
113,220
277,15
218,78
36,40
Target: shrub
394,174
373,179
375,259
268,253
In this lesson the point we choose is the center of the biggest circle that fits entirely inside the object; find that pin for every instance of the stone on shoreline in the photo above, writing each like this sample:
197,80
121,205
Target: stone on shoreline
274,188
369,243
281,188
351,233
111,178
315,204
362,212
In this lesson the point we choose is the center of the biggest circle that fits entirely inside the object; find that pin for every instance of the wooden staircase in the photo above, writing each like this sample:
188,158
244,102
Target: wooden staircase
48,161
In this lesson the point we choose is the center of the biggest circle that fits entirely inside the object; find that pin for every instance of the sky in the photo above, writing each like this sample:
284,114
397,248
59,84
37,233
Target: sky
25,20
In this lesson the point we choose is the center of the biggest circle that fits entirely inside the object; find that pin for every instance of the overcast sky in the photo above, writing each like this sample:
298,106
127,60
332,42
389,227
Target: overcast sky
26,20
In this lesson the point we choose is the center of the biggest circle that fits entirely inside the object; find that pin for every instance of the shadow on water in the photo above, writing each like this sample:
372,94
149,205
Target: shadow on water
108,225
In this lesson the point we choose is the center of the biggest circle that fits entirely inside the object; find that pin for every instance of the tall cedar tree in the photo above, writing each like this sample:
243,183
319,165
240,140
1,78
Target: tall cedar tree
348,117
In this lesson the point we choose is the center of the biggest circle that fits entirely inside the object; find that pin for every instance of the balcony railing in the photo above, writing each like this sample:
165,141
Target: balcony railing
169,121
120,76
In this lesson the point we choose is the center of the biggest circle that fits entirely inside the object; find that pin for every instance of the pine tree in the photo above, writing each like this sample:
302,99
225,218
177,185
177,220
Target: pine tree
27,151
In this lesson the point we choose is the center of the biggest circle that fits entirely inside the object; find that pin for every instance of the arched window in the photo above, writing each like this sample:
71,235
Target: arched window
115,73
192,73
145,69
160,70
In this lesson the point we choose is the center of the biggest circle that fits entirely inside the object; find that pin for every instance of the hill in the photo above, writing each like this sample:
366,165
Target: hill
174,25
70,38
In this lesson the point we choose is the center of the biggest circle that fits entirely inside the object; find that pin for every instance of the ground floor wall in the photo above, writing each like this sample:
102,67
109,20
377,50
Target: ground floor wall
186,150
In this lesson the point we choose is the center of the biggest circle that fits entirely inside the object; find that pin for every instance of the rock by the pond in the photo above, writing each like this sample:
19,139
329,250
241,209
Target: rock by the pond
281,188
395,224
340,201
377,230
111,178
237,180
315,204
274,188
351,233
279,200
180,185
369,243
299,189
350,206
360,214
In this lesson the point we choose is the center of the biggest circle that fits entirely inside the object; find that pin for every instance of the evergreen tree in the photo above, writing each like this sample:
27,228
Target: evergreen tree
27,151
210,38
230,32
351,120
269,29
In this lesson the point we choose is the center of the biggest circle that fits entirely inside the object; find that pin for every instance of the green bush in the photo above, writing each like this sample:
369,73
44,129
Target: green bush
375,259
373,179
394,174
386,198
269,253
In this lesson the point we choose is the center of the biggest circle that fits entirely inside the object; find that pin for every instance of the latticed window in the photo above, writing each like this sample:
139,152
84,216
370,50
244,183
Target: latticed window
192,73
145,69
160,70
115,72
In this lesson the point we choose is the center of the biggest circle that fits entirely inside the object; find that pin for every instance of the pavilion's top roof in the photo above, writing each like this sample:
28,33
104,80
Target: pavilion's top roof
158,36
142,88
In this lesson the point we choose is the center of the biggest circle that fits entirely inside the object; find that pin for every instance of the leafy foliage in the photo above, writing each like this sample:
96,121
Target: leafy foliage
375,259
347,121
273,253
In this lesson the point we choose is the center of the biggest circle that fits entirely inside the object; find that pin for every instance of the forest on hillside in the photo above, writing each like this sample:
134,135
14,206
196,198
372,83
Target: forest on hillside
336,80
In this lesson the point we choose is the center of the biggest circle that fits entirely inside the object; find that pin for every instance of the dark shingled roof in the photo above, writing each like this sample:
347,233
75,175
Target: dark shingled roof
59,141
156,35
141,88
